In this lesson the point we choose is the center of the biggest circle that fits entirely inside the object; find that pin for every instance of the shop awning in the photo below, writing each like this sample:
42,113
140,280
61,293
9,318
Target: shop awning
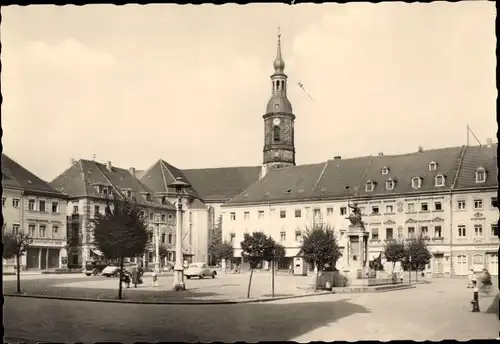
96,252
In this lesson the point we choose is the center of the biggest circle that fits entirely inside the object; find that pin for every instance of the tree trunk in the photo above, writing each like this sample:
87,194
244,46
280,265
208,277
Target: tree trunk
250,282
120,275
18,269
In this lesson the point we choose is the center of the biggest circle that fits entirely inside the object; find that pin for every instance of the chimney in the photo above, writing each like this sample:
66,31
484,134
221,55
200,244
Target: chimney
337,157
489,142
380,154
109,166
72,161
132,171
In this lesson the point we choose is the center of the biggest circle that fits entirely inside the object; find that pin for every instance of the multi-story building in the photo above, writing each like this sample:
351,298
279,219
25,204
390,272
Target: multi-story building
90,185
30,205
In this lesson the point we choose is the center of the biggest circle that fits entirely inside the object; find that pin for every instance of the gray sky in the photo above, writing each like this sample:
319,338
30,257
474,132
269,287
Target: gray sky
190,84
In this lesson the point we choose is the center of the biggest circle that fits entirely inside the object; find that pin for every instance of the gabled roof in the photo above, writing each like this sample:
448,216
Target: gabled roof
475,157
81,179
161,174
290,183
222,183
16,176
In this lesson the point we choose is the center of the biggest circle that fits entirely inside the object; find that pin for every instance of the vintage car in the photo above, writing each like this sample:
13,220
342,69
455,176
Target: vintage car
199,270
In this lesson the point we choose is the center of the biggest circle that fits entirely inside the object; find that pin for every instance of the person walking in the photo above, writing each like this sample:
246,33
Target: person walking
472,278
290,269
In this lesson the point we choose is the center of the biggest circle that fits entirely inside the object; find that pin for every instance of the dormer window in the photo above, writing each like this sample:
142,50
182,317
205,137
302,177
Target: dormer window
129,193
385,170
439,180
416,182
104,190
389,184
369,186
480,175
432,166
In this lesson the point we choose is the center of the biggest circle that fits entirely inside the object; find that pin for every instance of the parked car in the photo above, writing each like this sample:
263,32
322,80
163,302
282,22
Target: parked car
94,268
199,270
111,270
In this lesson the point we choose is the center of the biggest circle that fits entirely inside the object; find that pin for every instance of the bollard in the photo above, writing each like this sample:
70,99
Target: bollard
475,301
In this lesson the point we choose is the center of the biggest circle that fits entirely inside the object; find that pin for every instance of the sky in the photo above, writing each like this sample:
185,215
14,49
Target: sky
189,84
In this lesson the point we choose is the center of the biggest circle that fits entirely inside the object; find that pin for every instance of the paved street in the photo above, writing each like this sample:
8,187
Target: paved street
440,310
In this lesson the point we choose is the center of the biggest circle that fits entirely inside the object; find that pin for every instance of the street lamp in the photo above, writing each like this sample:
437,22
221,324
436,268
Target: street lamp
157,244
178,185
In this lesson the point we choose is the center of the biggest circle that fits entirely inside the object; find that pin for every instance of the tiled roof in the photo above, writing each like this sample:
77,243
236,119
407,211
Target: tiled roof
222,183
161,174
81,179
284,184
16,176
474,157
346,178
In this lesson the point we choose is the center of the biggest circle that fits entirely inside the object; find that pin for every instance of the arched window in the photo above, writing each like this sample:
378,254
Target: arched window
480,175
389,184
369,186
439,180
416,182
276,133
432,166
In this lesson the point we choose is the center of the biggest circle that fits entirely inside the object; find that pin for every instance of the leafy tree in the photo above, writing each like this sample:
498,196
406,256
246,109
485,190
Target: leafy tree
319,246
416,248
120,232
256,248
15,245
223,250
394,251
376,264
278,253
215,239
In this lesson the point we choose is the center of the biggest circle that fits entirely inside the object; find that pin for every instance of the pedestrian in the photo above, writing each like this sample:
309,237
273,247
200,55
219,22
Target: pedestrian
290,269
472,279
155,279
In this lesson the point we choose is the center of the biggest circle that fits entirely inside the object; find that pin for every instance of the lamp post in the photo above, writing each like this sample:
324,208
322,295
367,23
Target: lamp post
157,245
179,185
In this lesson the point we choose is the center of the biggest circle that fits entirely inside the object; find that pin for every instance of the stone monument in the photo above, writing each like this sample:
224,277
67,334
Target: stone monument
355,264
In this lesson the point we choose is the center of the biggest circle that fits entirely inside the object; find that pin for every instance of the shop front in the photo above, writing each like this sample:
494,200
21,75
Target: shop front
45,254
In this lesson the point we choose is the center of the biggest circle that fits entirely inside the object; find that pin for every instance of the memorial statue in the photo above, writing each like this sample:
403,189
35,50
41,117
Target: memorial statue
355,217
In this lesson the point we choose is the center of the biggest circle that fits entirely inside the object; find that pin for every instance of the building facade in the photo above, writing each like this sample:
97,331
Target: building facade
30,205
90,185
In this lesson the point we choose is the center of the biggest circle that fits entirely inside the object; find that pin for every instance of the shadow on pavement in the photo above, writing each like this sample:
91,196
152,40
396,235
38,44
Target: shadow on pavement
493,308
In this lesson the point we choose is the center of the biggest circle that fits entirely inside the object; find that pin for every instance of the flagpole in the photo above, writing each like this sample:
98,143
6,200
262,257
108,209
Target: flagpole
468,135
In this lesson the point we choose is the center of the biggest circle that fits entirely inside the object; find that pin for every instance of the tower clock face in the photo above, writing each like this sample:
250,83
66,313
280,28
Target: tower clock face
276,121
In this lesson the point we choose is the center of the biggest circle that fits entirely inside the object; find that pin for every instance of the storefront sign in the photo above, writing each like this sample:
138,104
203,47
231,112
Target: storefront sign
47,242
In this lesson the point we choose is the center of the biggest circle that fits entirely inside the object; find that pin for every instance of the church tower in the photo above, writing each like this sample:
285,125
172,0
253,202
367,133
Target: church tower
279,142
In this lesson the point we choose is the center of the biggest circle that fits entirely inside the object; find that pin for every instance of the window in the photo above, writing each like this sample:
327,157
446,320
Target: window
55,207
75,209
389,184
494,202
282,214
31,204
439,180
143,214
31,230
478,204
150,235
298,236
190,217
375,210
246,215
170,216
276,133
129,194
15,229
55,231
3,201
385,171
97,209
480,175
151,216
438,206
432,166
461,231
261,214
424,206
298,213
478,230
369,186
231,238
162,238
389,233
424,230
169,236
461,204
411,207
283,236
329,211
343,210
437,232
43,230
233,216
411,232
15,202
163,218
416,182
389,208
494,229
375,234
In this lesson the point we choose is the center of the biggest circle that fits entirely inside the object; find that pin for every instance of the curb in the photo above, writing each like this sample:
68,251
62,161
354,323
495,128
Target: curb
194,303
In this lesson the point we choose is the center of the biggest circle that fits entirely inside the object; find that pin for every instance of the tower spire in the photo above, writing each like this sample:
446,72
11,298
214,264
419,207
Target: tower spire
279,64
